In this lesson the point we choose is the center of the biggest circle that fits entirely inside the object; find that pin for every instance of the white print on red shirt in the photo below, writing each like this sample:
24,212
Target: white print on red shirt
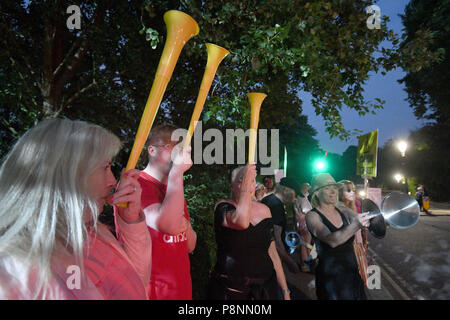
175,239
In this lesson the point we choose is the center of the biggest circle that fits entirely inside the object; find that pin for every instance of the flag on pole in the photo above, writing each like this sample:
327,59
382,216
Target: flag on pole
366,157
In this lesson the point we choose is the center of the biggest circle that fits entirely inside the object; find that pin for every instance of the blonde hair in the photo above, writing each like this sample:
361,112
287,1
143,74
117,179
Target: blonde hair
315,202
43,192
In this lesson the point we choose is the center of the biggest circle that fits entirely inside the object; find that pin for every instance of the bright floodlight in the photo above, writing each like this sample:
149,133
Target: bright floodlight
402,145
398,177
320,165
362,193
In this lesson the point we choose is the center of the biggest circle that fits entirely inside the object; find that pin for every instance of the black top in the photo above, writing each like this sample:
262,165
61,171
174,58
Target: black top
337,274
243,253
277,210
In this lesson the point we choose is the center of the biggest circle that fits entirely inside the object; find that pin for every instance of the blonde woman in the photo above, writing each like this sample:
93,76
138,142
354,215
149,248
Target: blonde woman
333,230
248,265
53,185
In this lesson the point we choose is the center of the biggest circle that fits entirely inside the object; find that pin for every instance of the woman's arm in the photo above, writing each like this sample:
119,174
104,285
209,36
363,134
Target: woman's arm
281,279
333,239
137,244
239,219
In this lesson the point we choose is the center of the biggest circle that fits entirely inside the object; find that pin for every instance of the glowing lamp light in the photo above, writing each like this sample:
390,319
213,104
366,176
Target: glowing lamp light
402,146
398,177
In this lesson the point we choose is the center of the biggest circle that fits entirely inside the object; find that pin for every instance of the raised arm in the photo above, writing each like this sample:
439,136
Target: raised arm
168,216
239,219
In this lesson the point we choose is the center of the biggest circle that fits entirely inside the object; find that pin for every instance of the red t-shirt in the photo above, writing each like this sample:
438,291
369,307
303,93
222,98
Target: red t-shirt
171,272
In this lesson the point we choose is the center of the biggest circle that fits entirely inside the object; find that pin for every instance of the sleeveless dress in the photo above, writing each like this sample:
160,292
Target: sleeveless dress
337,273
244,269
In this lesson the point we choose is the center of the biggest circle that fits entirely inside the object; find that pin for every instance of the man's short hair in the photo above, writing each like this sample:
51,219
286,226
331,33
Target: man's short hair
160,134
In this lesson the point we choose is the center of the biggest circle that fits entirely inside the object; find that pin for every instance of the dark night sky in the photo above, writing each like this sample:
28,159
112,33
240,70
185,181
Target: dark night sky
395,121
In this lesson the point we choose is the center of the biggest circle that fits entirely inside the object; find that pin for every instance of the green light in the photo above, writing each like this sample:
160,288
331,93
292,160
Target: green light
320,165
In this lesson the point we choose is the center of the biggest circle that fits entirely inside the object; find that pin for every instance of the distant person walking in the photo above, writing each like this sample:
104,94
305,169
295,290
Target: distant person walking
422,195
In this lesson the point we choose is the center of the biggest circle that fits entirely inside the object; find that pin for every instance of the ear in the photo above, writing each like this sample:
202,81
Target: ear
151,150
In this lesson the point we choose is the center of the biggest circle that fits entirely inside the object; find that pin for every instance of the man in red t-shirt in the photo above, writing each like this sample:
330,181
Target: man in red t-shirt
167,216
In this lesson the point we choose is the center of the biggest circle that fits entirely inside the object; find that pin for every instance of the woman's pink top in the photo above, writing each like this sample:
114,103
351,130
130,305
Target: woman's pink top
116,270
120,269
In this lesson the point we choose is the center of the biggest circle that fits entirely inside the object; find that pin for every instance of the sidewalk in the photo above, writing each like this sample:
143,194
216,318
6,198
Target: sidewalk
438,209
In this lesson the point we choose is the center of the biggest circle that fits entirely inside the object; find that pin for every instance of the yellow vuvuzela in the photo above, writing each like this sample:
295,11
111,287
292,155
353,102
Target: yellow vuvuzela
256,100
180,28
215,56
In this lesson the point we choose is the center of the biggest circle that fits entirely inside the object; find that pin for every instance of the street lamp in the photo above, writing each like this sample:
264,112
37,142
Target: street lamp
402,146
398,177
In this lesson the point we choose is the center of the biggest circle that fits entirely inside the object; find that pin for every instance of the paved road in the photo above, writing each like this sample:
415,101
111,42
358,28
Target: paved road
414,263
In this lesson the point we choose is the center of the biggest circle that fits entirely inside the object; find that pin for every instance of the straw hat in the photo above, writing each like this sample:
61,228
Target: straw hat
322,180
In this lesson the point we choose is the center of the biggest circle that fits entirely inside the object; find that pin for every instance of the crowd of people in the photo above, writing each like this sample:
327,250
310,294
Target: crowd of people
57,178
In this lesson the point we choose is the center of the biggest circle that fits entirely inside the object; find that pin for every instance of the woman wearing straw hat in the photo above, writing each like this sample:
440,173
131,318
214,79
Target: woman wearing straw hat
333,230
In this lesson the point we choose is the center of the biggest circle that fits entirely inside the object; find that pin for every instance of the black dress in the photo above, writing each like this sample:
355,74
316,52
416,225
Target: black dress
337,274
244,269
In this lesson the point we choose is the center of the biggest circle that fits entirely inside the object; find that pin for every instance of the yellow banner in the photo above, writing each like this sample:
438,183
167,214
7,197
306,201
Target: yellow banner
366,158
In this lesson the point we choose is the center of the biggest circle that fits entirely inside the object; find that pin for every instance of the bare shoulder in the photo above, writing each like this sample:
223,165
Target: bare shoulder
312,218
261,210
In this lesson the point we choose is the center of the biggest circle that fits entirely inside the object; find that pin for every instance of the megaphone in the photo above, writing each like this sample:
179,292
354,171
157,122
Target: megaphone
293,240
398,210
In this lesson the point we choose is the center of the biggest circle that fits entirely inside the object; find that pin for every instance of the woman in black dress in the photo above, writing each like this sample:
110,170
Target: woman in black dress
333,230
248,266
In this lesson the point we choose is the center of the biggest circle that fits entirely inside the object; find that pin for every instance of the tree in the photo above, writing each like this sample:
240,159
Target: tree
427,88
429,94
103,72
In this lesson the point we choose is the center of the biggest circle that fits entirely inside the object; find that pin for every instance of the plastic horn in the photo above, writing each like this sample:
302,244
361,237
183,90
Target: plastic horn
180,28
256,100
215,56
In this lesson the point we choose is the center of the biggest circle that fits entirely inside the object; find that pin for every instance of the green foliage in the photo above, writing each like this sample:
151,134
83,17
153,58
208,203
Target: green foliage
103,74
427,27
201,195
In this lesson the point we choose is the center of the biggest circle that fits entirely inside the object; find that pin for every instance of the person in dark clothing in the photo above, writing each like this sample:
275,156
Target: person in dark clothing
333,231
285,193
248,266
420,195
